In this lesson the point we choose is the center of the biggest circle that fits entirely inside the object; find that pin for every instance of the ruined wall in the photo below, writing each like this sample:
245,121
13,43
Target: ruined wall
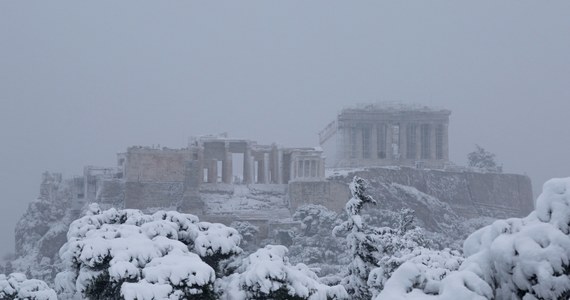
111,192
155,165
144,195
469,194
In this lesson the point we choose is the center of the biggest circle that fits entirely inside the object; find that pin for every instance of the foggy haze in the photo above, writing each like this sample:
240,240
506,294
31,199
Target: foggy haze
81,81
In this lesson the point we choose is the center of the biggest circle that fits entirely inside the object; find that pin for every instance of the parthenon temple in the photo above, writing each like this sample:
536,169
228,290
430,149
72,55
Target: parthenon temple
387,134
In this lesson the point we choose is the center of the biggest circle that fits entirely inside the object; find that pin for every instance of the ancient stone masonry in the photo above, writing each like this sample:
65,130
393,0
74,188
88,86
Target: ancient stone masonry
50,183
175,178
262,164
401,150
387,135
223,179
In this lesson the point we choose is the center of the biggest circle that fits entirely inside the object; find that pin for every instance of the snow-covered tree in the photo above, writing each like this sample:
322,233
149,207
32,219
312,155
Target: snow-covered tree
362,240
398,245
125,253
429,268
267,274
376,251
315,218
249,234
17,286
518,258
314,243
483,159
529,257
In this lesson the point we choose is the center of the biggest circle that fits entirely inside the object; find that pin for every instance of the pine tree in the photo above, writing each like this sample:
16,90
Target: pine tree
483,159
362,241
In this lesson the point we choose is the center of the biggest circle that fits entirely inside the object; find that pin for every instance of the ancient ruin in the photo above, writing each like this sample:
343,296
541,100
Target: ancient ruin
224,179
213,162
387,135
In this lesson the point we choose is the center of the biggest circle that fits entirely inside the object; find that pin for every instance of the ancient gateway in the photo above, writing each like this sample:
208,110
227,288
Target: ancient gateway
212,161
224,179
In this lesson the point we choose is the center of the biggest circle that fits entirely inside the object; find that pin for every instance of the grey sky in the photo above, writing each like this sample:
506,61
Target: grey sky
80,81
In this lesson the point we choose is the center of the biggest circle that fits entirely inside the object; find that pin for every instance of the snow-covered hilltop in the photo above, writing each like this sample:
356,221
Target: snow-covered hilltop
128,254
448,205
276,194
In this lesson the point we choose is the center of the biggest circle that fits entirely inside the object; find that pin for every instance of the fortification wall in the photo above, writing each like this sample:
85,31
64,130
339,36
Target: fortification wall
111,192
154,165
469,194
144,195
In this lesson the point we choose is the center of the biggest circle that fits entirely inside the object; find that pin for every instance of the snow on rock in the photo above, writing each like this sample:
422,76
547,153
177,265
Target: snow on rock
39,234
518,258
17,286
125,252
267,274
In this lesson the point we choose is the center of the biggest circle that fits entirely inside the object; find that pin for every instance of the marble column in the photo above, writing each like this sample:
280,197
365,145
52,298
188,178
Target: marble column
374,142
418,141
263,172
389,133
260,171
433,140
273,165
200,166
359,145
403,140
313,168
445,143
279,178
213,171
227,172
292,168
247,166
347,149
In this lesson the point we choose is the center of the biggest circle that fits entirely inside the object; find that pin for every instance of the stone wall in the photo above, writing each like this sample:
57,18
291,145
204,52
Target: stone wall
155,165
469,194
165,195
111,192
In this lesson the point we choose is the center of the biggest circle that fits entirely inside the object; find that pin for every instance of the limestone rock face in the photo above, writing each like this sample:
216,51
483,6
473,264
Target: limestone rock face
42,230
448,204
468,194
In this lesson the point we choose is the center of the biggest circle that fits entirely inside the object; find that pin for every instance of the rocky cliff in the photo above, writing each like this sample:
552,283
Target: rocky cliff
447,204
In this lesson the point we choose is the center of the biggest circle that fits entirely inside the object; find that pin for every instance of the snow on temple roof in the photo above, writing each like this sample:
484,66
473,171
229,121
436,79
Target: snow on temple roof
393,106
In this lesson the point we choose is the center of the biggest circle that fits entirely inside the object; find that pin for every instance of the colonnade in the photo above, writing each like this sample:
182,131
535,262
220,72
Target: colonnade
307,167
396,141
260,164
